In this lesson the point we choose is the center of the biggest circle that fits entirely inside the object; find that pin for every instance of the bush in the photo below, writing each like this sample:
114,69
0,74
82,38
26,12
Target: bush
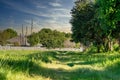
16,44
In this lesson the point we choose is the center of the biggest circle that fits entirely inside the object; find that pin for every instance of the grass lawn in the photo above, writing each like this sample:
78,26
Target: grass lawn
58,65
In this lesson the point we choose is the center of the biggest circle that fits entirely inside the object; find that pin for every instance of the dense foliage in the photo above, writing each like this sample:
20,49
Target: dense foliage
48,38
96,23
109,17
33,39
82,14
51,39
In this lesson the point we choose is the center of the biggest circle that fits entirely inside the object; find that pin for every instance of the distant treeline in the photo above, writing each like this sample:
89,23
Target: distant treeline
48,38
7,34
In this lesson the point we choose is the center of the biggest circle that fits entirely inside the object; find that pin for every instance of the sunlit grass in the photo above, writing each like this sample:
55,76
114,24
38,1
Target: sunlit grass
58,65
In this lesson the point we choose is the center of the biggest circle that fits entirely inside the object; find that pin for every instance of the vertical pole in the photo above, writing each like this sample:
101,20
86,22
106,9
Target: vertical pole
31,26
26,31
22,30
22,36
20,39
26,36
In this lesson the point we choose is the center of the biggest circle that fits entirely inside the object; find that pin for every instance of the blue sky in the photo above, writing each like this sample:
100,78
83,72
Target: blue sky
54,14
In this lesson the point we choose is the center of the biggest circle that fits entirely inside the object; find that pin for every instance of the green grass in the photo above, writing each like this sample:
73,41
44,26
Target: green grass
58,65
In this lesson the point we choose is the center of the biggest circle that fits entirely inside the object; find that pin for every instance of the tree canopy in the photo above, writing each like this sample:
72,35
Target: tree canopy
96,23
51,39
48,38
33,39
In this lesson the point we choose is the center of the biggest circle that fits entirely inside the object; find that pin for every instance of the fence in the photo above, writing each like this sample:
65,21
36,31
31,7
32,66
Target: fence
39,48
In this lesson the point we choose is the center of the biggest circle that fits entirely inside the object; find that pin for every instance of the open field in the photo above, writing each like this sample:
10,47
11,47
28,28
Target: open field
58,65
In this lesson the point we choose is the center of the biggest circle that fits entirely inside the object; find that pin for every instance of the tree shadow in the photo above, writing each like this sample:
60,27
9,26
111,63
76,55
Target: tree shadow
32,68
46,56
74,58
61,74
2,76
17,65
76,74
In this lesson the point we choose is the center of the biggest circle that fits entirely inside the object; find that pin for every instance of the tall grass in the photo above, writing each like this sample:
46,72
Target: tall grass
58,65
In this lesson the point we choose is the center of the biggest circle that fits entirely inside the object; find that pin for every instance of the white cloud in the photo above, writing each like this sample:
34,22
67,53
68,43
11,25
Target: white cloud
54,14
60,9
40,6
53,24
55,4
37,4
37,12
59,27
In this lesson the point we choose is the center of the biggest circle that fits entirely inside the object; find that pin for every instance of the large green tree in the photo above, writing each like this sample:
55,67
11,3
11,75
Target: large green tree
51,39
33,39
82,20
109,17
97,23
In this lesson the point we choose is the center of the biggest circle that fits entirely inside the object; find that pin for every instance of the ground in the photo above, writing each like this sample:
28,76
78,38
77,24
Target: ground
58,65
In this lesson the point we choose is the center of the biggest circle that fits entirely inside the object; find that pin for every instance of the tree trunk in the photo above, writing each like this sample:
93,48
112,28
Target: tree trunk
119,42
108,45
98,49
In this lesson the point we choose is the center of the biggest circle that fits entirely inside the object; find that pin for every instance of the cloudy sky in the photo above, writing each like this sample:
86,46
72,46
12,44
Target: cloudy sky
54,14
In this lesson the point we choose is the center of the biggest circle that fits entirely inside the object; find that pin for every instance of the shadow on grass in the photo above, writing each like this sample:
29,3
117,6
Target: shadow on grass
2,76
64,56
17,65
31,68
55,74
109,73
44,56
61,74
78,58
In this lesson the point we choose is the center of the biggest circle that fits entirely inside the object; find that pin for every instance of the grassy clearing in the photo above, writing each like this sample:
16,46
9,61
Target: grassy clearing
58,65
